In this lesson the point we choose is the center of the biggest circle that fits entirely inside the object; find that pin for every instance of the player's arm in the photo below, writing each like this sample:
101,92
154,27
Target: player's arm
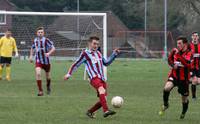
50,45
75,66
111,58
171,57
31,53
15,48
185,61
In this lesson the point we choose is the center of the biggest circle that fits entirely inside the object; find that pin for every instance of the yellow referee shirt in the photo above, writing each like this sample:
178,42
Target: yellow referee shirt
7,46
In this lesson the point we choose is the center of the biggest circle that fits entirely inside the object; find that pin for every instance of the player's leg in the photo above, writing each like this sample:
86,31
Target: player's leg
48,78
2,61
193,85
183,89
93,109
103,100
185,103
48,82
1,71
166,92
8,68
39,81
8,71
99,85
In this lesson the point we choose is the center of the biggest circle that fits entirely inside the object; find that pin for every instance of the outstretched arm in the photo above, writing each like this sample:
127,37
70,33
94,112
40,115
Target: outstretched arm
111,58
75,66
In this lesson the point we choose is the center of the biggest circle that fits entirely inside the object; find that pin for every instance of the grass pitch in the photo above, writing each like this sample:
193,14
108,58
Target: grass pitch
139,82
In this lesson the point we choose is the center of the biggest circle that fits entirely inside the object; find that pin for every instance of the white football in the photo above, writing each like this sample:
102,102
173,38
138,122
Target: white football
117,101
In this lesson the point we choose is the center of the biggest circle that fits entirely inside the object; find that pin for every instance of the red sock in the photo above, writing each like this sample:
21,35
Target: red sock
95,107
39,84
103,101
48,83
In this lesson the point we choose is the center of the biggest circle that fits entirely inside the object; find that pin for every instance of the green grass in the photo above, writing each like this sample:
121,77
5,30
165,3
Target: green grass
138,82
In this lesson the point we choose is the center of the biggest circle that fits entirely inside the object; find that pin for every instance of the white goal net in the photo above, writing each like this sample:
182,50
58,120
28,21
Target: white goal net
68,31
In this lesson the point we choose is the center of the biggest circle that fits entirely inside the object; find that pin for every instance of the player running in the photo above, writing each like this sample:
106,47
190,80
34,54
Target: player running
43,48
94,62
179,60
195,49
7,46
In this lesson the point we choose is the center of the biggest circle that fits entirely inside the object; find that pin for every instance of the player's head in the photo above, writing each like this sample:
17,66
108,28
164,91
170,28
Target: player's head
40,32
8,33
182,43
195,37
93,43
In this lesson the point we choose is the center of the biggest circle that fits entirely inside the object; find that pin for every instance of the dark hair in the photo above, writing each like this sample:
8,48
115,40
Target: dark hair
8,30
93,38
195,32
40,28
184,39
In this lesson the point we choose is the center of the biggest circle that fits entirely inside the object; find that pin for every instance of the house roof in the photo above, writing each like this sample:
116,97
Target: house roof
88,25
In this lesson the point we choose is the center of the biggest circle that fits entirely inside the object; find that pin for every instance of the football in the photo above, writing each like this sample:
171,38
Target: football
117,101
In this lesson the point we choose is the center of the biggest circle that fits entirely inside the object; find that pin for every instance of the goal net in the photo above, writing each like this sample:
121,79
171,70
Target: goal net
68,31
141,44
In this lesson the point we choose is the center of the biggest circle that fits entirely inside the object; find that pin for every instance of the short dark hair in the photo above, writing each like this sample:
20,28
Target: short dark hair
40,28
93,38
184,39
195,32
8,29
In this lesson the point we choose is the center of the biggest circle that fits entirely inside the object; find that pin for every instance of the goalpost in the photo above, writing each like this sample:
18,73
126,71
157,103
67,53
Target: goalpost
60,27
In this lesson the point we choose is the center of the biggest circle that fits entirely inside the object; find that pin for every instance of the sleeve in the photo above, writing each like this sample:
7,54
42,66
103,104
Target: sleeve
171,57
33,44
187,60
110,59
49,43
77,63
14,45
1,40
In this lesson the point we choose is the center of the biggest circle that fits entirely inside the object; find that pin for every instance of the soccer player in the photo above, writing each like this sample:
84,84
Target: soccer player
43,48
7,46
94,63
195,49
179,59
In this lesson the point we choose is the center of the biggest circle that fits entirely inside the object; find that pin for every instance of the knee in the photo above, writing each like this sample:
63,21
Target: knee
101,90
167,89
7,65
38,75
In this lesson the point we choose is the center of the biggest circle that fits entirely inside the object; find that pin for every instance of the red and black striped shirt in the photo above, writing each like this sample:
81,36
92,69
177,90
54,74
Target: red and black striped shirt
183,60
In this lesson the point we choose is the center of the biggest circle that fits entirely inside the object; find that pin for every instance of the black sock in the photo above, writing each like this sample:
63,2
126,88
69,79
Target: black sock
185,107
193,88
166,97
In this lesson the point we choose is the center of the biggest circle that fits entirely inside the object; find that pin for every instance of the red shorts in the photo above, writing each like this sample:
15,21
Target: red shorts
46,67
97,82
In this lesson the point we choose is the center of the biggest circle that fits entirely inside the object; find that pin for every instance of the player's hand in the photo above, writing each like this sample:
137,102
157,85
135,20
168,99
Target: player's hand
30,59
175,66
117,50
66,77
16,55
47,54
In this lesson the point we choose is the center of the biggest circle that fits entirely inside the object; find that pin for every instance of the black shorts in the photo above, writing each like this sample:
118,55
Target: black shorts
5,60
183,86
196,73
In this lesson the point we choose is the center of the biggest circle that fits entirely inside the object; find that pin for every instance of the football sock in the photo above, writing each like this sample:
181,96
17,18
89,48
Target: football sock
165,97
48,83
8,69
103,101
39,84
185,107
1,70
95,107
193,88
